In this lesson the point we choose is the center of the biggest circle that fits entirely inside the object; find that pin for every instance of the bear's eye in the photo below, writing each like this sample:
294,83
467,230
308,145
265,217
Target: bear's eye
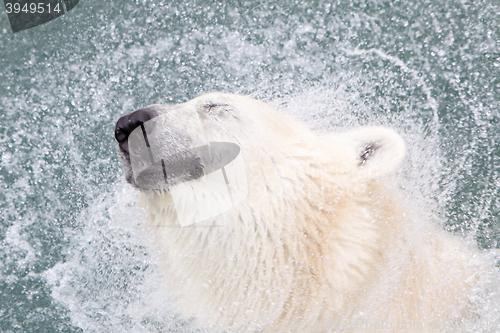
217,108
368,152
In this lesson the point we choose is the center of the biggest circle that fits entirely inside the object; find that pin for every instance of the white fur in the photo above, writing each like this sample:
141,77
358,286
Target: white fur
319,237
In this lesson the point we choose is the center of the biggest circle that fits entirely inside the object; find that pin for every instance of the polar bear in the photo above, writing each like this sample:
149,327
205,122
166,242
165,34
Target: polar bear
316,239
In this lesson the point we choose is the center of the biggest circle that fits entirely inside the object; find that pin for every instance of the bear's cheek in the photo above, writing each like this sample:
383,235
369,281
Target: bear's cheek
264,179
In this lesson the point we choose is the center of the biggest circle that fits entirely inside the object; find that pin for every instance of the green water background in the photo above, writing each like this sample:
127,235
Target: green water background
64,84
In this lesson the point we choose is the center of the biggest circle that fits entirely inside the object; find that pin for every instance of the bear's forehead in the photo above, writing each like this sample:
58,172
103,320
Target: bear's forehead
210,100
216,104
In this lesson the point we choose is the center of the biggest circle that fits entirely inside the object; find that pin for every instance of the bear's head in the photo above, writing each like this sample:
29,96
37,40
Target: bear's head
276,204
255,127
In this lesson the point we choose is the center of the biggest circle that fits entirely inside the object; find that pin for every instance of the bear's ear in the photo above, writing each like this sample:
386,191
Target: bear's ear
379,150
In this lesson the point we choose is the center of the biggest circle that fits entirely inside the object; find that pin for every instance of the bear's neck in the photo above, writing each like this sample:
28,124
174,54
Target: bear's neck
276,248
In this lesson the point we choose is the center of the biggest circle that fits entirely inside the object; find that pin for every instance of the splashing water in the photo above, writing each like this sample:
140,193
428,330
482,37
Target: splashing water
73,256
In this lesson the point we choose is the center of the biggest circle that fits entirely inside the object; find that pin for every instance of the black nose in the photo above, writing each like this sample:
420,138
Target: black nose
126,124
